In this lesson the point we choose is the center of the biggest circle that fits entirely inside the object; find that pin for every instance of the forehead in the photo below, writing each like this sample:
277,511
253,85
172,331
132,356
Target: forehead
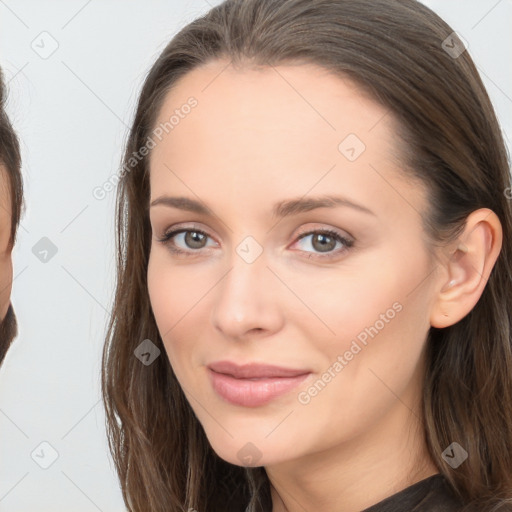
306,101
265,133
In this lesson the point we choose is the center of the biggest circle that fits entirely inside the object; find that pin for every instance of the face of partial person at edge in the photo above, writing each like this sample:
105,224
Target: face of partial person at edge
303,303
8,327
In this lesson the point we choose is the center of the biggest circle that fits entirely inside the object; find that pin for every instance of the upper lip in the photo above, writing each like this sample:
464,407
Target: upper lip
254,370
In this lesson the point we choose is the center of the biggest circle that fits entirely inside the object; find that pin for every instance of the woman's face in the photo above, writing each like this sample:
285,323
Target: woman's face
348,309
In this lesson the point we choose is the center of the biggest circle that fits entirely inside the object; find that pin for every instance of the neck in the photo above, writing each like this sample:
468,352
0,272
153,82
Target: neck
356,474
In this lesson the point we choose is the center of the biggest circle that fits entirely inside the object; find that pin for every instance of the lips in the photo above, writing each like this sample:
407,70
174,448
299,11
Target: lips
255,370
253,385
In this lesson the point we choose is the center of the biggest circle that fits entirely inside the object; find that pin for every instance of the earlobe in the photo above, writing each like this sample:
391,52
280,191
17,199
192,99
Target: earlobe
468,268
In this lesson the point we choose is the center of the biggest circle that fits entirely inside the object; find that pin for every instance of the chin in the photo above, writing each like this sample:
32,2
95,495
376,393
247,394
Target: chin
241,451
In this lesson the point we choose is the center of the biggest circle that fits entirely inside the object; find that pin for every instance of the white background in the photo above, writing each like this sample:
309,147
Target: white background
72,111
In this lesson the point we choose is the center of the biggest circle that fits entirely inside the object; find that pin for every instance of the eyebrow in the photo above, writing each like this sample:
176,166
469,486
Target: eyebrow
281,209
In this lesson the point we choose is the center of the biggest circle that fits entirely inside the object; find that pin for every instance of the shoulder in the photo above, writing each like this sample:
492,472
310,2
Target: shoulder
433,494
440,497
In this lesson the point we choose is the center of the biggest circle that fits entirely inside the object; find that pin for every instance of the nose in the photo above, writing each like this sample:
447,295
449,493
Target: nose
247,301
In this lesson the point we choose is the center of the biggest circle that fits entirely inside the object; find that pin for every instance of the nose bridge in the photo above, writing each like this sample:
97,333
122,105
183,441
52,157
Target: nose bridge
246,297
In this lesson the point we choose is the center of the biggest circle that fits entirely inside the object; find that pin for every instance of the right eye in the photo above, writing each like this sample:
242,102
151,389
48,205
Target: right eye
185,241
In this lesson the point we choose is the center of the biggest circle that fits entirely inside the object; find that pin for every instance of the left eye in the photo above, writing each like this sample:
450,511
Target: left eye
325,241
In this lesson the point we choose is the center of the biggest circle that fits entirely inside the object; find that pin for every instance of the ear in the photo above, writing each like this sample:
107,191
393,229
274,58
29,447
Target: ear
467,268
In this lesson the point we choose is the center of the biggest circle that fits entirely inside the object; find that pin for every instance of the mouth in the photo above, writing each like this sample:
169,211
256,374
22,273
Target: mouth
255,370
253,385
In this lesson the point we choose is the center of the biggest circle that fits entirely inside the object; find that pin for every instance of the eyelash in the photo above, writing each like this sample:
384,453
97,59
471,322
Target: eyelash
166,240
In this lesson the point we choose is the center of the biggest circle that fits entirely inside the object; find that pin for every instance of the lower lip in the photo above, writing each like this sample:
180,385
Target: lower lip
252,393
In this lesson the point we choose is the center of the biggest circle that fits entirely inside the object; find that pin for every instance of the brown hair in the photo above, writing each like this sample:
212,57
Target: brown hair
10,171
394,50
10,160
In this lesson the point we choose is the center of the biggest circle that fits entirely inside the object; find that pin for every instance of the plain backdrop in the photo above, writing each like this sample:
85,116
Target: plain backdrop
74,69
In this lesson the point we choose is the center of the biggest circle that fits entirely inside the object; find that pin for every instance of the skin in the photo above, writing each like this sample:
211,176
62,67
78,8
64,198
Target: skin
7,317
257,137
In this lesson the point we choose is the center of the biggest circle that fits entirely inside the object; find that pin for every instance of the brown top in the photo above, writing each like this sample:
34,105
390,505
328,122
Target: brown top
433,494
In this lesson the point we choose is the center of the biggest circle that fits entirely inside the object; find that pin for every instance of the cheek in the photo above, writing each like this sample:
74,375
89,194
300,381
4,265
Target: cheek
178,298
367,290
381,321
375,315
172,290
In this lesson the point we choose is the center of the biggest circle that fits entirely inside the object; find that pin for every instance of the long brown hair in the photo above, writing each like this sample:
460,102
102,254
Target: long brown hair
401,54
